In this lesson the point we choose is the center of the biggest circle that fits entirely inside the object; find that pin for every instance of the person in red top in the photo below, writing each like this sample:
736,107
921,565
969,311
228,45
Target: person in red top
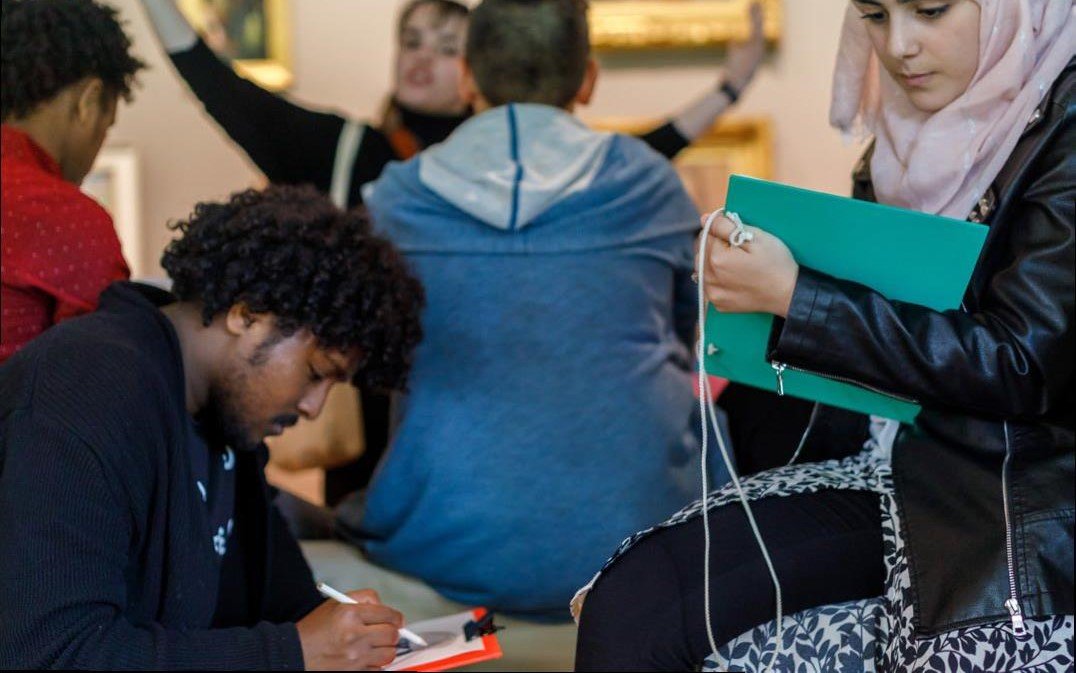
66,63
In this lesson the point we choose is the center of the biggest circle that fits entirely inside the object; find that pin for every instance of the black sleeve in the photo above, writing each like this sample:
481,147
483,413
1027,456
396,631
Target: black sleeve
1011,358
65,535
289,143
375,152
294,594
666,140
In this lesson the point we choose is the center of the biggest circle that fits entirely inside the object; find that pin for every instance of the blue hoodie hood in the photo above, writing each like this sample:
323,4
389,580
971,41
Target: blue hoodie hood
530,179
550,154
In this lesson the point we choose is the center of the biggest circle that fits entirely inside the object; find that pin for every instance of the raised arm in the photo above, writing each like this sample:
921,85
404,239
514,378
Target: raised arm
287,142
687,125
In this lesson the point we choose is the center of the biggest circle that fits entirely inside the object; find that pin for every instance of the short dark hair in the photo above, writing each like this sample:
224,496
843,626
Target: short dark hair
290,252
529,51
51,44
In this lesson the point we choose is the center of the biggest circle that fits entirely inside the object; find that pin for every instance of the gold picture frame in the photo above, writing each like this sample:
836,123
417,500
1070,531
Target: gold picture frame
677,24
736,145
254,35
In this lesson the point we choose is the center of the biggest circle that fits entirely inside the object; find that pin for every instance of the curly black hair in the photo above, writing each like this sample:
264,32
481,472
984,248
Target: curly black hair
290,252
51,44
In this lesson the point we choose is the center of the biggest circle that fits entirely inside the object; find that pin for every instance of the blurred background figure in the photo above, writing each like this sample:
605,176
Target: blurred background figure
295,144
66,65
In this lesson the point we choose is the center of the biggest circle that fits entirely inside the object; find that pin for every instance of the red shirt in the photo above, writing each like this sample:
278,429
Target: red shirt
58,248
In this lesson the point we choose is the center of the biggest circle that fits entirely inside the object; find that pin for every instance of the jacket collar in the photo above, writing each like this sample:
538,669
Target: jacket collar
16,145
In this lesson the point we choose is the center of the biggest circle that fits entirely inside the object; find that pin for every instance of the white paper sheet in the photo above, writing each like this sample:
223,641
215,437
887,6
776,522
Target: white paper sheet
445,638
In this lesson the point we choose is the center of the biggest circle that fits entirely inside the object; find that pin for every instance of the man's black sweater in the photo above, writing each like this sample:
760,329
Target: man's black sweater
106,557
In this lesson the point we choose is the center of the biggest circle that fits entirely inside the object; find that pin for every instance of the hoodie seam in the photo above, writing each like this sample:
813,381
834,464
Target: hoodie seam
513,134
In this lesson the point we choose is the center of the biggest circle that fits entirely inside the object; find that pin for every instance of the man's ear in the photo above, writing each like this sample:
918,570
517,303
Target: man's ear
590,80
240,319
89,99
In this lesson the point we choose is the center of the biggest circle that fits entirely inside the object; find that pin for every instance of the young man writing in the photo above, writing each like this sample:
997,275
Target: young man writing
136,527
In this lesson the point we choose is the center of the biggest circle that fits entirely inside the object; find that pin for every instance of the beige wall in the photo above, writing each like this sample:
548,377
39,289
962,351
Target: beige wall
342,59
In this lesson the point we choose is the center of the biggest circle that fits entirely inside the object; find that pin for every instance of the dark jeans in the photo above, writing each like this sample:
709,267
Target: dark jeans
646,612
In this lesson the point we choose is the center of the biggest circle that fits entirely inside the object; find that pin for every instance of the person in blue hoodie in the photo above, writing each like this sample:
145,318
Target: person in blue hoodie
551,410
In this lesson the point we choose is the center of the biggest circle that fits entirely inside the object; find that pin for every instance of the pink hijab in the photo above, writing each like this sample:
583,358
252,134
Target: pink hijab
943,162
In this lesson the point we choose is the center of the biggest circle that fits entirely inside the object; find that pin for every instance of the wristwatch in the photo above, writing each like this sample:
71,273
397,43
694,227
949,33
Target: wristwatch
729,91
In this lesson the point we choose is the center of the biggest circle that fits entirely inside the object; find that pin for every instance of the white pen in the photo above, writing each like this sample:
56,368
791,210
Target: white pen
328,592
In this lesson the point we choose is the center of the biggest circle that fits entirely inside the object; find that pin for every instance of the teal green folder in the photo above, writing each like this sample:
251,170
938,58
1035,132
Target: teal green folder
905,255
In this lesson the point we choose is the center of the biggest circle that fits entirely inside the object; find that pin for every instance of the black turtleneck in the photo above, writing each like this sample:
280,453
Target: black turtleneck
430,129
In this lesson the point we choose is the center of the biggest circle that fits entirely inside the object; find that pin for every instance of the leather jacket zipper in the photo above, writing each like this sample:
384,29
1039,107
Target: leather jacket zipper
1013,602
780,367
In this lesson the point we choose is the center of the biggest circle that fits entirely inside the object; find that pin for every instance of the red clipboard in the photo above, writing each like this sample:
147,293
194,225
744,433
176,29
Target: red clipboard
485,649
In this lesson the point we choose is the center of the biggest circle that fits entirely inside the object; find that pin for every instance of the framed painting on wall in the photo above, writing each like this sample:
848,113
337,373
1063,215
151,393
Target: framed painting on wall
254,35
676,24
115,183
743,146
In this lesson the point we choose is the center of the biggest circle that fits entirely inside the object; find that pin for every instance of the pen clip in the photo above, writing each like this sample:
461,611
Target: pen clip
483,626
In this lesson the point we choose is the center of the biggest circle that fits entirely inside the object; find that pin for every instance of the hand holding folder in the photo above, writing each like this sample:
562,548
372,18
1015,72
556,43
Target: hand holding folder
904,255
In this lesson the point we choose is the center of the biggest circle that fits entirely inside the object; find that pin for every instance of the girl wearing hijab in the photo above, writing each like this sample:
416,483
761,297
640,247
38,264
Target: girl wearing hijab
959,527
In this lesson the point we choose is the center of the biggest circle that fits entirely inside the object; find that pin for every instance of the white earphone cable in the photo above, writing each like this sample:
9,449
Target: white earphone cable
803,437
706,408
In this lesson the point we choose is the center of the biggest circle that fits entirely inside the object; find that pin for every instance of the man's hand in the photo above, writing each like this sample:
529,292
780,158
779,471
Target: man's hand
362,637
757,277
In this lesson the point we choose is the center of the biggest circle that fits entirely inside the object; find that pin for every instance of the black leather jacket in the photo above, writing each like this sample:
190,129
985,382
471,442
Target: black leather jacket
984,479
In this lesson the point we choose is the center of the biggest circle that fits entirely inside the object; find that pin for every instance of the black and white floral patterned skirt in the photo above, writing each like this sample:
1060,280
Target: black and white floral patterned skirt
875,634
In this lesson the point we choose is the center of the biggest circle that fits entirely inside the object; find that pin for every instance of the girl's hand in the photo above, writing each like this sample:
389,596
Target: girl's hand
757,277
